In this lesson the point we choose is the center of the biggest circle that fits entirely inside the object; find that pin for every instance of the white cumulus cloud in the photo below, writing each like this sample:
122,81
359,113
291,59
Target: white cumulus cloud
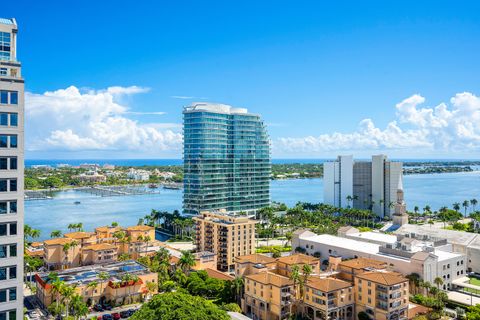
70,119
437,130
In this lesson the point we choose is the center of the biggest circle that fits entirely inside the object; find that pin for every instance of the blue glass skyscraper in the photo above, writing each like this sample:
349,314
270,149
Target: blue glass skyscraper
226,157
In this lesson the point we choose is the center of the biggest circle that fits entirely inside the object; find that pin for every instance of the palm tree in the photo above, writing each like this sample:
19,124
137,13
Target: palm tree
295,277
57,287
103,276
465,205
349,200
80,226
456,206
92,286
79,308
67,294
146,239
186,261
473,202
306,272
71,226
56,234
237,285
414,279
438,281
65,249
114,224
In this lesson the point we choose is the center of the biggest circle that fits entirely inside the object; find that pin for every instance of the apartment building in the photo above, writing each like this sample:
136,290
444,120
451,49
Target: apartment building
111,288
11,173
226,155
227,235
267,296
81,248
382,295
284,264
362,184
403,254
329,298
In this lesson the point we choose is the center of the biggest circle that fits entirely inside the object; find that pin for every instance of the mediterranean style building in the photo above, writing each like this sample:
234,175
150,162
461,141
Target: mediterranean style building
11,173
110,285
226,235
105,245
347,288
362,184
226,153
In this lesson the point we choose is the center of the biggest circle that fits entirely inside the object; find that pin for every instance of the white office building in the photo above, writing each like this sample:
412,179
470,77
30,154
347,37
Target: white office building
11,174
403,254
362,184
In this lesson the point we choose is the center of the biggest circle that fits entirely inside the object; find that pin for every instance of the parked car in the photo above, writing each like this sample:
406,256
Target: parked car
116,316
98,307
99,318
107,317
124,314
107,307
131,311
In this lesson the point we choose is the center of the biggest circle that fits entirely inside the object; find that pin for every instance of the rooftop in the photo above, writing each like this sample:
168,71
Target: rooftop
452,236
374,236
383,277
339,242
362,263
87,274
298,258
218,274
255,259
270,278
57,241
7,21
214,107
79,235
327,284
140,228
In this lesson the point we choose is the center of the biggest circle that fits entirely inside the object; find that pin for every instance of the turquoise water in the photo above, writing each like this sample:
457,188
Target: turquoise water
435,190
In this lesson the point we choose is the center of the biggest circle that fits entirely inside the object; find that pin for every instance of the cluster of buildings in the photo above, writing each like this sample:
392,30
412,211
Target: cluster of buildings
370,185
11,173
347,288
106,244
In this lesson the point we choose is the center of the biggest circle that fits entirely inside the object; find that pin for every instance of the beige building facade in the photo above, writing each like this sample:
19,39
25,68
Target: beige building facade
227,235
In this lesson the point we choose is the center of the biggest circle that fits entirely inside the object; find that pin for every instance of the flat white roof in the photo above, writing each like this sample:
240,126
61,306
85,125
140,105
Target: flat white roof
215,107
375,236
339,242
452,236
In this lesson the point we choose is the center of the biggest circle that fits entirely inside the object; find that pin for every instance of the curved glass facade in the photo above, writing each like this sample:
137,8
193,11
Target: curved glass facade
226,160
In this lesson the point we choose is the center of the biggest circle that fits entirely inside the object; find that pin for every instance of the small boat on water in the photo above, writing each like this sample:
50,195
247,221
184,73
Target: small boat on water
172,187
152,186
77,202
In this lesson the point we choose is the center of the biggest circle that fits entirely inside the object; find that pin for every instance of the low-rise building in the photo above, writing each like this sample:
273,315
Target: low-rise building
267,296
227,235
116,288
138,175
91,177
402,255
329,298
382,295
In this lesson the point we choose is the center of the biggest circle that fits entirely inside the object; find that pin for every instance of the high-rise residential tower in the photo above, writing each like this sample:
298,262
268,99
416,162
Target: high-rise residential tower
11,174
362,184
226,157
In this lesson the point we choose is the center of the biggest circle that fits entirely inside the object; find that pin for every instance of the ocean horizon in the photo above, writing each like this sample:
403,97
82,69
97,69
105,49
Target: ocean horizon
169,162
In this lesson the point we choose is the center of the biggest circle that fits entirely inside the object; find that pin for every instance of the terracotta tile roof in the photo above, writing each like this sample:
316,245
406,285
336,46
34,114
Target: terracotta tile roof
57,241
327,284
36,244
298,258
100,246
78,235
37,253
386,278
270,278
218,274
107,229
140,228
416,309
362,263
255,259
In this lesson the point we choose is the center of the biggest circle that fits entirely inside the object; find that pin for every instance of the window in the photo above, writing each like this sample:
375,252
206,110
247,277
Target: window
13,250
3,71
13,141
14,97
13,119
13,185
12,272
12,294
3,163
3,97
3,119
13,163
3,251
13,206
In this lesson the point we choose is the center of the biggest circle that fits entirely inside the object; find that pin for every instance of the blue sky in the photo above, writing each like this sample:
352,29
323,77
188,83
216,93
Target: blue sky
315,70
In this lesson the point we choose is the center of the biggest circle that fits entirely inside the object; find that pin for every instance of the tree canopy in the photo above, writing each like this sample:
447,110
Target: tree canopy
181,306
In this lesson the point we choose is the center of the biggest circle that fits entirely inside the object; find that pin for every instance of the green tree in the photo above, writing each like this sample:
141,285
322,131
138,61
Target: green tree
186,261
56,234
179,306
473,312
